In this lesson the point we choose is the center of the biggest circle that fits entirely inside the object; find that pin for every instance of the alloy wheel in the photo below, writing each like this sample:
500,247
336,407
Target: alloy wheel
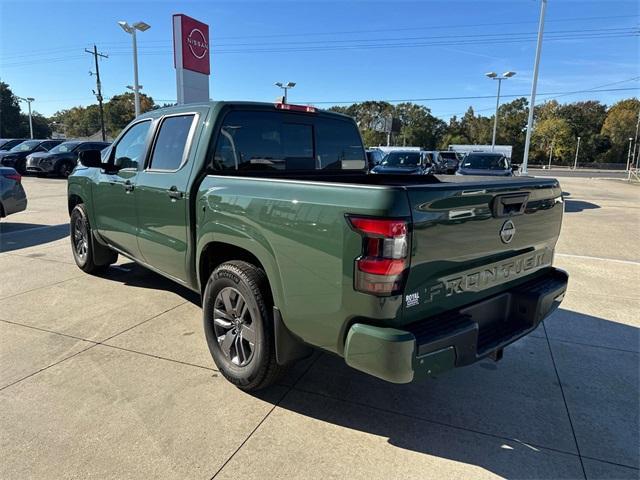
234,326
80,238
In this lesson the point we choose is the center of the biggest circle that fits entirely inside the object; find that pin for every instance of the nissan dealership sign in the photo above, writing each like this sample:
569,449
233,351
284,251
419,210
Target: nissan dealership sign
191,54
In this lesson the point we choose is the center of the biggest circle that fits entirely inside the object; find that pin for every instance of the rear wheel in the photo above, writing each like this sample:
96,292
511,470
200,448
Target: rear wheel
239,327
82,244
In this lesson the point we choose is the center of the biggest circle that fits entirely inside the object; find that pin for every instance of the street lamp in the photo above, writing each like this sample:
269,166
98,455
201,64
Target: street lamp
575,162
29,100
534,85
495,76
285,87
131,30
629,154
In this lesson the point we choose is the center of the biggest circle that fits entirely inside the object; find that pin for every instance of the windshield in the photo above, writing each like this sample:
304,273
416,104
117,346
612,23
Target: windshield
26,146
449,155
485,162
64,147
402,159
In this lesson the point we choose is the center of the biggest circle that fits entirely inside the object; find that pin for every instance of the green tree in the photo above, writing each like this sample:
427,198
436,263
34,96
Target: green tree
618,127
512,122
419,127
556,131
120,110
41,126
586,120
9,113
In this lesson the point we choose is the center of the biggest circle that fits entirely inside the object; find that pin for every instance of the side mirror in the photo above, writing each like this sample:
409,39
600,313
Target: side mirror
91,158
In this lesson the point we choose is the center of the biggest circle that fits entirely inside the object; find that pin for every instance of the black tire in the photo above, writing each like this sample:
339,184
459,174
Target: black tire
64,169
82,244
21,167
259,368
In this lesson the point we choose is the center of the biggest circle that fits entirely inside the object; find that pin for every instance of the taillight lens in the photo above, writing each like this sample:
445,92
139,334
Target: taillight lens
295,108
13,176
380,270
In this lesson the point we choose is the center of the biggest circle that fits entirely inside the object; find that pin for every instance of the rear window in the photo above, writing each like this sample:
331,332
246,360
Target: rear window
485,162
284,141
171,143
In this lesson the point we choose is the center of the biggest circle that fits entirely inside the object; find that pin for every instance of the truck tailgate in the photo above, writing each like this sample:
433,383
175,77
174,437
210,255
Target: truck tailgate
473,237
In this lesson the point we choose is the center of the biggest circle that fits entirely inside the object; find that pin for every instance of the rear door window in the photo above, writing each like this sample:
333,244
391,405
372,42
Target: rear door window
284,141
170,149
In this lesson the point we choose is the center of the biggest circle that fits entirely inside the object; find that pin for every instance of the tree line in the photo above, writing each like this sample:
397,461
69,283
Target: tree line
604,131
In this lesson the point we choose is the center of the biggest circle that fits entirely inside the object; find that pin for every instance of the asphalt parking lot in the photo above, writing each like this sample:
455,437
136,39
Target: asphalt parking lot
110,377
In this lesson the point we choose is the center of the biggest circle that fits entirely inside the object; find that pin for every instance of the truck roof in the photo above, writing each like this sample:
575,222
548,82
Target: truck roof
222,103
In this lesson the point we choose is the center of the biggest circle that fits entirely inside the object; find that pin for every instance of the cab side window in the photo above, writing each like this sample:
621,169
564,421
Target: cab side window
131,147
171,143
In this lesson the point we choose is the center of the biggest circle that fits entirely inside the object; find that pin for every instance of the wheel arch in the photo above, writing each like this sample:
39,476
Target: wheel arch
73,200
216,253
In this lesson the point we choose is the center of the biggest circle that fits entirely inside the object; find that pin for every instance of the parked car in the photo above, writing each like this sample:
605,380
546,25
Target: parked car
484,163
450,162
374,156
405,163
13,199
267,211
17,156
9,143
61,159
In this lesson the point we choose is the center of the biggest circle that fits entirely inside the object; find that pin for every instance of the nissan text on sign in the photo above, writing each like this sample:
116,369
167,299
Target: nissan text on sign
191,59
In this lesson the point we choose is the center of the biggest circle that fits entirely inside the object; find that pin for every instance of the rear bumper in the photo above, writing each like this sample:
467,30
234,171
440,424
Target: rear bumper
455,338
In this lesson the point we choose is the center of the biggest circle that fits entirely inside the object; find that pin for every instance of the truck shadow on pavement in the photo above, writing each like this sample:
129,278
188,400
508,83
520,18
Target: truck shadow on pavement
132,274
573,206
16,236
509,418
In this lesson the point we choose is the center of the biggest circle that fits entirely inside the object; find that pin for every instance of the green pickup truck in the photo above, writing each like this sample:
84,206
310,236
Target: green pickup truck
269,213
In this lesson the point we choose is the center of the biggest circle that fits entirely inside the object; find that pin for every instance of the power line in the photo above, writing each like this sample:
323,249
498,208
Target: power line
308,34
469,97
596,88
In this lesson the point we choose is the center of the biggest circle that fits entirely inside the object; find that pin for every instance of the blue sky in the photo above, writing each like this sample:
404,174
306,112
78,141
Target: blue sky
319,46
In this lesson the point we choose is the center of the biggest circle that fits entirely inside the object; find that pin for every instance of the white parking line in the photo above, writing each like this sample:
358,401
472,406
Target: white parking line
587,257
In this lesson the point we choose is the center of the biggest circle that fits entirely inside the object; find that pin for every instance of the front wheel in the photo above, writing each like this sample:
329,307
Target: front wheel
82,245
65,169
239,327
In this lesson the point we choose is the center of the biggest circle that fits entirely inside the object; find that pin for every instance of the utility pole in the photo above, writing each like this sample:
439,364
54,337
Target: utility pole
534,85
98,94
575,162
551,153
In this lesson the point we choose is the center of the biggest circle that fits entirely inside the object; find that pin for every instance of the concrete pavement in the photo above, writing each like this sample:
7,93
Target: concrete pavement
110,377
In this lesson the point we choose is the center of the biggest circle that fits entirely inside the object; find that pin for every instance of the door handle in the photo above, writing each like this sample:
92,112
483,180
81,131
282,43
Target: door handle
174,193
128,186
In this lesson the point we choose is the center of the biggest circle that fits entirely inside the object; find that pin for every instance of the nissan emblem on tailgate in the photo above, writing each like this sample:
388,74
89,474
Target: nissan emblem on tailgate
508,231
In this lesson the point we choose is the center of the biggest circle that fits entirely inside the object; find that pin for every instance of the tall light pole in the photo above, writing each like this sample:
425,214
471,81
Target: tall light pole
575,162
29,100
629,153
551,153
131,30
285,87
495,76
534,85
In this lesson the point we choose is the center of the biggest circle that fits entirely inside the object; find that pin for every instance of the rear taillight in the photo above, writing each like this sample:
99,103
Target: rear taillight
13,176
380,270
